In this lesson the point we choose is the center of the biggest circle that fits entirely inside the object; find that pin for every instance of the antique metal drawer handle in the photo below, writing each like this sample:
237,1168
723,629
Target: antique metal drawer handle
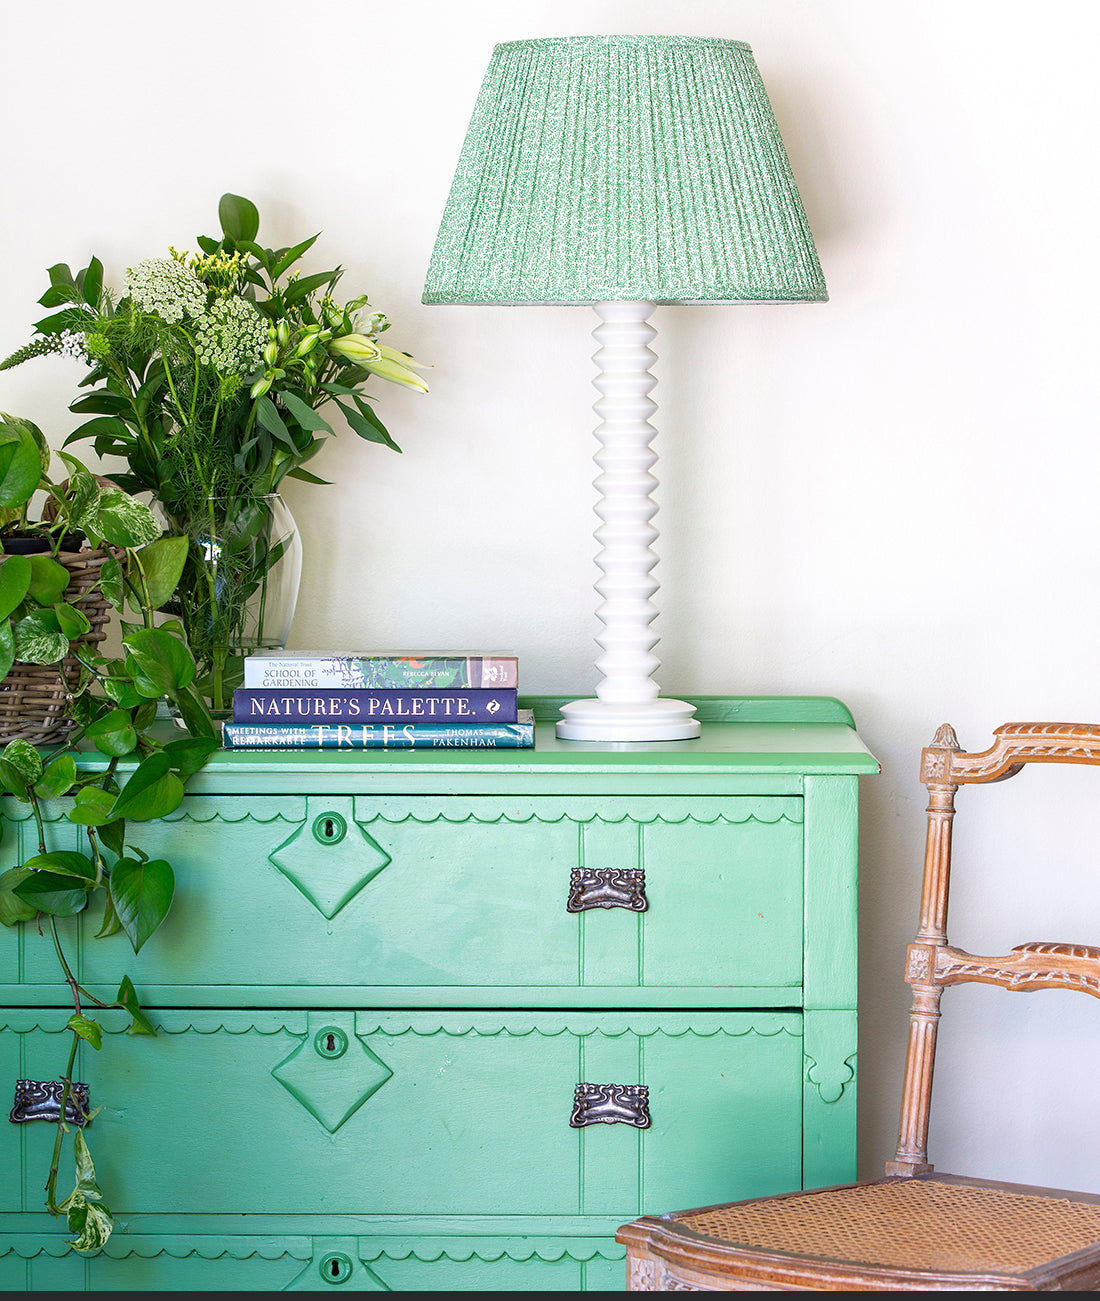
610,1104
41,1100
606,887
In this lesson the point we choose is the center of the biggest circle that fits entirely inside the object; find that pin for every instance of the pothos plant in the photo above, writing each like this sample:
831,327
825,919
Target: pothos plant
114,707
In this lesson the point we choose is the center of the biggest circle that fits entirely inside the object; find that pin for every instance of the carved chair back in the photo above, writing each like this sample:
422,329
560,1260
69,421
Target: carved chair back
932,963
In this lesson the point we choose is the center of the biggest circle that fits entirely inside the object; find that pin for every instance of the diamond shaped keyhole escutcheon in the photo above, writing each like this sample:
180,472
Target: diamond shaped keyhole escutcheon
332,1083
329,857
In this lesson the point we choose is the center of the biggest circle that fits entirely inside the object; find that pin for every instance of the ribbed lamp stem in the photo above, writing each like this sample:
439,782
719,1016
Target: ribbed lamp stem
628,705
626,507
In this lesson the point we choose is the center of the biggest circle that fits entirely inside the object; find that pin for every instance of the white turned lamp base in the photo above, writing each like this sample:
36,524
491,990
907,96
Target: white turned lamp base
650,720
628,705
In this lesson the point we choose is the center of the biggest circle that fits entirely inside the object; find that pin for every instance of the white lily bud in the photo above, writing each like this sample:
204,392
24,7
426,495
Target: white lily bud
388,368
402,358
356,347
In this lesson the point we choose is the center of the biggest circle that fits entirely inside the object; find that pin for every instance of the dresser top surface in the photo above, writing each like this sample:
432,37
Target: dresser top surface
740,735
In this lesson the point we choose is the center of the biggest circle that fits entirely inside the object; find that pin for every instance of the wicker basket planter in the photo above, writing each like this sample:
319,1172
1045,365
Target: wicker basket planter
35,699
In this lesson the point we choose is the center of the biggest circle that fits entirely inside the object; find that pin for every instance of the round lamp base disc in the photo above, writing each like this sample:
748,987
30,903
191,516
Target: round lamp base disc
647,720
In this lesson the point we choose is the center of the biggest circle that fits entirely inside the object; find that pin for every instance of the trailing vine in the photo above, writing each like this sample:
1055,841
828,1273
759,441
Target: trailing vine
114,710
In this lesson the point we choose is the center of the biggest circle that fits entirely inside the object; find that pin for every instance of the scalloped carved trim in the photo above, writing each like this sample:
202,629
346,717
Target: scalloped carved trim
551,1029
548,1025
45,1020
120,1246
218,813
765,810
298,1248
196,808
519,818
489,1250
831,1078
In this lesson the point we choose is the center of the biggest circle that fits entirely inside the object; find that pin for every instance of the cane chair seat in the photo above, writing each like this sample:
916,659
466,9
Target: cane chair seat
915,1229
861,1237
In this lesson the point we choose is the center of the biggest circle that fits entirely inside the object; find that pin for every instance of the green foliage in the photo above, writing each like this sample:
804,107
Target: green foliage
39,626
171,388
24,456
88,1215
142,894
214,376
114,706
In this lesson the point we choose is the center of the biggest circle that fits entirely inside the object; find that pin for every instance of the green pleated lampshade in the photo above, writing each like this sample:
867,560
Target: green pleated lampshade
623,168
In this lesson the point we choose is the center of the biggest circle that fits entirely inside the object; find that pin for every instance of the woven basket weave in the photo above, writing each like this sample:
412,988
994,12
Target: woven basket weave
35,699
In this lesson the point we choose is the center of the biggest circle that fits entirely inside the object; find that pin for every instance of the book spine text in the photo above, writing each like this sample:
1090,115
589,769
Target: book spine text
379,705
377,736
404,671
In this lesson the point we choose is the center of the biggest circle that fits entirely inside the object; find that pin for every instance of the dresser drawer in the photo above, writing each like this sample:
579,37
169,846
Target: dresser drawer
347,891
439,1113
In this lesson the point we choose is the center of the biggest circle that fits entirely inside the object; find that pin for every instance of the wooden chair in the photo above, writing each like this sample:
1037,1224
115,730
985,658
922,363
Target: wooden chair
913,1230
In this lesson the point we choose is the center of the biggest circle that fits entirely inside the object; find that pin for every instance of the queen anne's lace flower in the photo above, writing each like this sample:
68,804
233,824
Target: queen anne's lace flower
231,336
161,285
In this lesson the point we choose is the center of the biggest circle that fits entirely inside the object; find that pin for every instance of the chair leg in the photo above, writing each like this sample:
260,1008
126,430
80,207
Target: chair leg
911,1157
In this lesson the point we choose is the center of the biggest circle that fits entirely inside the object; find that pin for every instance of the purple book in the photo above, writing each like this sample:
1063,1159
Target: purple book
404,705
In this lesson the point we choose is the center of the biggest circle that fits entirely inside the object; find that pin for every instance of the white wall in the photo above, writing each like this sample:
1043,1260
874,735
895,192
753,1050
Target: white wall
887,498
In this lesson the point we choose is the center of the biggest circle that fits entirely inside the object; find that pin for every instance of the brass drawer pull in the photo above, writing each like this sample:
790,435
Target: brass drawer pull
610,1104
606,887
41,1100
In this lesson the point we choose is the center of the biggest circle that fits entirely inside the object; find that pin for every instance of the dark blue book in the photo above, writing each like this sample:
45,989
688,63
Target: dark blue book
374,705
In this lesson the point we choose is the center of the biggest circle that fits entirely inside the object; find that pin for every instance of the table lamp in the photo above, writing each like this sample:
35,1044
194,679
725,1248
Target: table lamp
623,172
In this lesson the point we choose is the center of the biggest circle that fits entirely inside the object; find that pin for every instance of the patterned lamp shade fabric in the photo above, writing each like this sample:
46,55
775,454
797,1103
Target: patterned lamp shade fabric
623,168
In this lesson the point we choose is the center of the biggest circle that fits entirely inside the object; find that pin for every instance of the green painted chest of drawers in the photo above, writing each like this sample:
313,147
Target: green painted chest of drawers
444,1020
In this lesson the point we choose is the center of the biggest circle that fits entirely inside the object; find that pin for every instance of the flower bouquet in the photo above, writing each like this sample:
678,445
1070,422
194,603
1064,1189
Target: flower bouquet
214,376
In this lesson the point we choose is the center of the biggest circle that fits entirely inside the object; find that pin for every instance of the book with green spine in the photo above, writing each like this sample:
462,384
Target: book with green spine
400,669
382,736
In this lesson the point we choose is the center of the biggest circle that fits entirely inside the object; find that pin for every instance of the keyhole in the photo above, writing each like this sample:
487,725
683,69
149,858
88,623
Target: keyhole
329,828
336,1267
331,1041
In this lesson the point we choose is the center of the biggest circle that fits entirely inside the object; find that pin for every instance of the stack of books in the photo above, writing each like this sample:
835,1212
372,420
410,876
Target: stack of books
379,700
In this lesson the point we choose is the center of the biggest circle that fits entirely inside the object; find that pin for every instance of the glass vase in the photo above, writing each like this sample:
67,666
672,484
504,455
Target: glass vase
239,586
